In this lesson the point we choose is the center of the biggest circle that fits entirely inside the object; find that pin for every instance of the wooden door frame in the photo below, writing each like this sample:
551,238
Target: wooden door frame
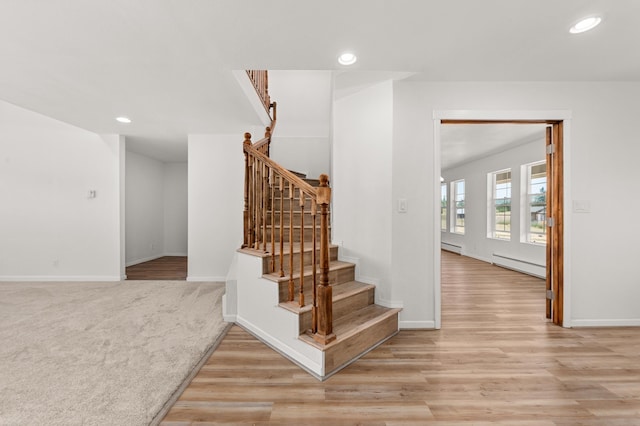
510,117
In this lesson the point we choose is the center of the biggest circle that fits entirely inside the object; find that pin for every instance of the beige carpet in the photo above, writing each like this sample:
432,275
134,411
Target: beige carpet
101,353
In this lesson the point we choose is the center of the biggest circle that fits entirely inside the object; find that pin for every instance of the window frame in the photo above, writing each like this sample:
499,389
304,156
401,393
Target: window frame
453,226
444,206
492,205
525,219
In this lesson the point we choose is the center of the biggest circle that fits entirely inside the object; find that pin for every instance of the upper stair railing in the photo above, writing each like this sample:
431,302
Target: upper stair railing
267,181
260,81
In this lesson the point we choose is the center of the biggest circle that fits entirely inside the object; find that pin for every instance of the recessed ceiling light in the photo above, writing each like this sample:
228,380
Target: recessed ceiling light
585,24
347,59
123,119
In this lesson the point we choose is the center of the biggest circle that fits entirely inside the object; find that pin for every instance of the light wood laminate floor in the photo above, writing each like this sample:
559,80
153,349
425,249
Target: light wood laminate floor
163,268
496,360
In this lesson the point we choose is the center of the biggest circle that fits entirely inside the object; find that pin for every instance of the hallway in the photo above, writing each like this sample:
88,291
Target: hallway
163,268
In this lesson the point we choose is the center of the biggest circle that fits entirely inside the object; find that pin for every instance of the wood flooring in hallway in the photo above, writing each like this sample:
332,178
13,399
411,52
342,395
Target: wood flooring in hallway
496,360
163,268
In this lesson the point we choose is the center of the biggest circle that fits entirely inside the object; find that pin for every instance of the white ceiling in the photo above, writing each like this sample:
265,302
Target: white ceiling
167,63
461,143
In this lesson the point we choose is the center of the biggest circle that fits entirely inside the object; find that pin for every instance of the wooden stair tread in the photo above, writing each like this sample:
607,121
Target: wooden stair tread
334,265
350,325
308,247
306,226
300,175
339,292
286,212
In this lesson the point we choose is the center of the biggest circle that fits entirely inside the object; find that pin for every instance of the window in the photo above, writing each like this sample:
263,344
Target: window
457,217
535,218
443,206
499,223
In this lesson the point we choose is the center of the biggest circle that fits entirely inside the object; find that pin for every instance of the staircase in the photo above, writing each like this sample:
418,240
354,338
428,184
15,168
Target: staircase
290,288
358,323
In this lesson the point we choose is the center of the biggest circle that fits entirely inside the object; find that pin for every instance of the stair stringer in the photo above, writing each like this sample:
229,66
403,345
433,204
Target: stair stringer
259,313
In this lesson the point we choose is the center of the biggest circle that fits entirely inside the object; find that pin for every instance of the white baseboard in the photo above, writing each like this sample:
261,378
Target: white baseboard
226,315
631,322
395,304
519,265
207,278
429,325
36,278
453,248
230,318
175,254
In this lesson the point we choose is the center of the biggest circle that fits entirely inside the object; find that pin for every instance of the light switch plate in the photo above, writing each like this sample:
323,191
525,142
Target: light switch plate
581,206
402,205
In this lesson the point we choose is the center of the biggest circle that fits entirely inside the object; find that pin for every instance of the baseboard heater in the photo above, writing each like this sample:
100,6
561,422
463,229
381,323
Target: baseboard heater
451,247
519,265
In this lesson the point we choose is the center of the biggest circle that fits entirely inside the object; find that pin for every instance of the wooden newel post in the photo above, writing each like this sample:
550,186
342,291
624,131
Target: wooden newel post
267,136
245,214
324,334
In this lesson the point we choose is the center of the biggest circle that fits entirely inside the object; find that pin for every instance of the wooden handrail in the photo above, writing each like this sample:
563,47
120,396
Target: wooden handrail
265,182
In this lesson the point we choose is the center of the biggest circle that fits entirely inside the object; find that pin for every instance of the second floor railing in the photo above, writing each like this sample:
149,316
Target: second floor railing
260,81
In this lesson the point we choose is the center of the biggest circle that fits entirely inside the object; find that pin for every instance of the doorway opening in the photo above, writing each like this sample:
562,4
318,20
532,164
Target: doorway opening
156,218
534,187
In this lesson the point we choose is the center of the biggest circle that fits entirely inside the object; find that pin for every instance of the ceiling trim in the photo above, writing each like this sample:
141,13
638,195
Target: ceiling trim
501,116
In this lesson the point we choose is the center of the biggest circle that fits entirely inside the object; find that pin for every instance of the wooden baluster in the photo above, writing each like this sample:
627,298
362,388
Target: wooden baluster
258,196
265,204
301,294
325,333
281,222
266,99
252,204
291,283
245,213
267,135
272,185
314,259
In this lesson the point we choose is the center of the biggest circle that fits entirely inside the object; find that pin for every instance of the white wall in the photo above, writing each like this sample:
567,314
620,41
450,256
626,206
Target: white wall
361,199
49,227
475,242
301,138
216,202
600,160
175,209
307,155
144,208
